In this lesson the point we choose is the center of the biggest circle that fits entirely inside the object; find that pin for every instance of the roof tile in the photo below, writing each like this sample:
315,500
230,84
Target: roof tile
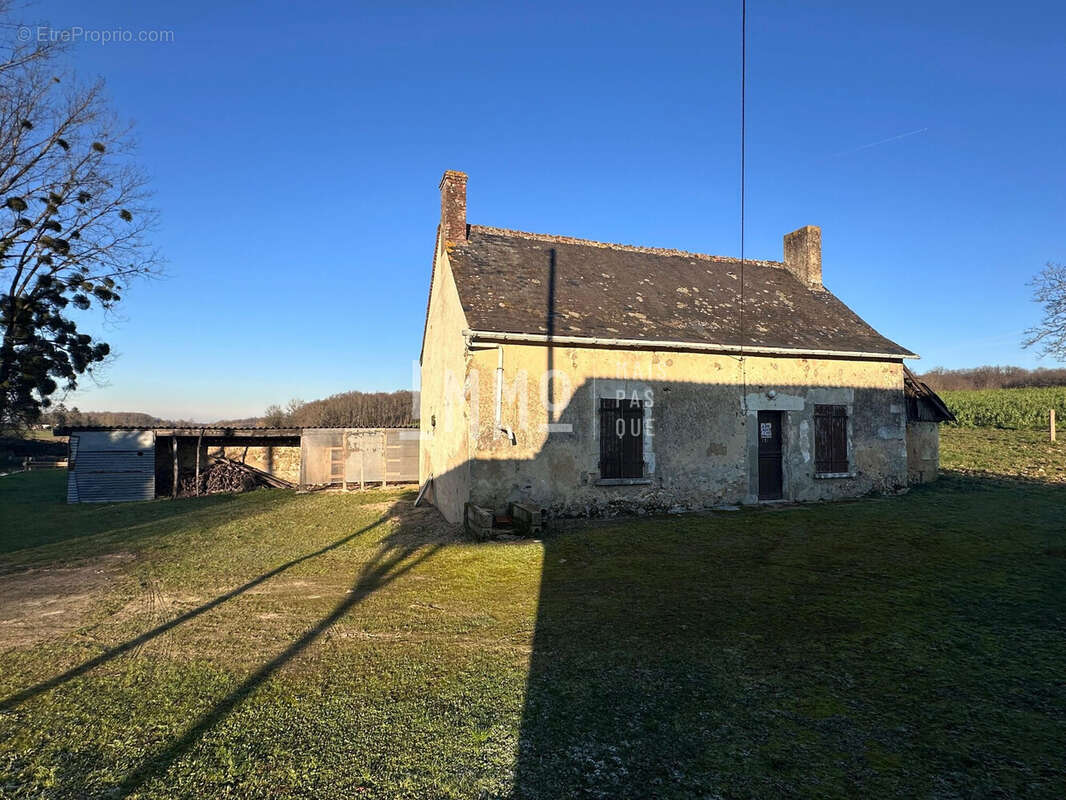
516,282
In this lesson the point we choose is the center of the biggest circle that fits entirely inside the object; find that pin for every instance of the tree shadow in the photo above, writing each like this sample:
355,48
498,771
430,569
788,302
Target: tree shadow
38,516
12,701
400,550
391,562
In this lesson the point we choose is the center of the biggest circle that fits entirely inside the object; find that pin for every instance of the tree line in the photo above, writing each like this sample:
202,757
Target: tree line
59,416
992,377
346,410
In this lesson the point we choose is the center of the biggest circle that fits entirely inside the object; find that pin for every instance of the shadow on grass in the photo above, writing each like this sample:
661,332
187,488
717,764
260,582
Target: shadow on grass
400,551
874,647
14,700
869,648
37,515
991,478
393,560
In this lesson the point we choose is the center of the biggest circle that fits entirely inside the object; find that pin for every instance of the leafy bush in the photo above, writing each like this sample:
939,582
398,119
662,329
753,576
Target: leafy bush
1007,408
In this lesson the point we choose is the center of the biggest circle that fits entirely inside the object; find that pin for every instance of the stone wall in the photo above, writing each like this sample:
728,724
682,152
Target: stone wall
700,441
284,462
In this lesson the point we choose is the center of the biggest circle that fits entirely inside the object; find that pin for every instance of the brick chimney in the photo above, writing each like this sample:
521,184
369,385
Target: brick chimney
453,208
803,255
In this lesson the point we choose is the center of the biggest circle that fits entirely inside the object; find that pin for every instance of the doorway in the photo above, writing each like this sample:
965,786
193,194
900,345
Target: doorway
771,478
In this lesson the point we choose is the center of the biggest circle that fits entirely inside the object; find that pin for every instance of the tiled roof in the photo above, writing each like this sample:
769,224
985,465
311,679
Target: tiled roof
524,283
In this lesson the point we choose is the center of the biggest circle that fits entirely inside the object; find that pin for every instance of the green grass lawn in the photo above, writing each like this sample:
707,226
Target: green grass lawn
275,645
995,451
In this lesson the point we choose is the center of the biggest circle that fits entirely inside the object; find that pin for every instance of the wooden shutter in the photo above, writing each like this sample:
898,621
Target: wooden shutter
633,439
610,442
621,438
830,438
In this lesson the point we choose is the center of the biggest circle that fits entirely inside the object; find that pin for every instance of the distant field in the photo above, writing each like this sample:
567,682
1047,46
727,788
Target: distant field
1007,408
44,436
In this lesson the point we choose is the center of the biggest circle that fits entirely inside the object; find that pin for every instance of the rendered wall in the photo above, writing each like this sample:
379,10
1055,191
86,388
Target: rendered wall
923,451
700,443
444,418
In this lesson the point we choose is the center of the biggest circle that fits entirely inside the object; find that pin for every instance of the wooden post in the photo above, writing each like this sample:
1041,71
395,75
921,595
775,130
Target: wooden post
384,458
199,441
174,447
1052,424
362,468
344,459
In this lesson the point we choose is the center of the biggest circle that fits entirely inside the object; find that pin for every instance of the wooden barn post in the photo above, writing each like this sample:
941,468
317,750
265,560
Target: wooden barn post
199,441
1052,424
344,459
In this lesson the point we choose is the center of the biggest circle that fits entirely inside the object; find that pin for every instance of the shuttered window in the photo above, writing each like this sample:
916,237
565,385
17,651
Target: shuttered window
831,439
621,439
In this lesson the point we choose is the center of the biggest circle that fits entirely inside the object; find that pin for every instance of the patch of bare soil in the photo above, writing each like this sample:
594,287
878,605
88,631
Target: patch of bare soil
44,603
420,526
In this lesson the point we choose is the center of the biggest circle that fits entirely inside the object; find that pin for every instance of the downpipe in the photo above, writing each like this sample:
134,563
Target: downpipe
499,398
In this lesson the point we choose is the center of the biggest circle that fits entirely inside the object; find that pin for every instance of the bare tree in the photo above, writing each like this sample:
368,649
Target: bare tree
274,416
74,216
1049,289
345,410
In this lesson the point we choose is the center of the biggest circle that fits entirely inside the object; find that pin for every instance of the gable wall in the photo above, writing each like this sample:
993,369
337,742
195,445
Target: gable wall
444,447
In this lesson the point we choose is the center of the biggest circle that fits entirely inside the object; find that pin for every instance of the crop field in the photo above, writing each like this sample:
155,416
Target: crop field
1007,408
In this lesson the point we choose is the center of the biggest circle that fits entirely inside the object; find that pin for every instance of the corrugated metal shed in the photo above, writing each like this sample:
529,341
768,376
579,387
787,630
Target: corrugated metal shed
111,466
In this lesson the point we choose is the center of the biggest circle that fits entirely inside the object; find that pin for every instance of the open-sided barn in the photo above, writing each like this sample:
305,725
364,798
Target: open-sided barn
117,464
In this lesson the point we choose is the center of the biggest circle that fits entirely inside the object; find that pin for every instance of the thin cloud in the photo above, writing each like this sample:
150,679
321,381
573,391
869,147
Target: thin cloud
895,138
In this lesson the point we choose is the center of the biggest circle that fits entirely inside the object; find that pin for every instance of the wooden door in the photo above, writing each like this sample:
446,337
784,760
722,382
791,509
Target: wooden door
770,472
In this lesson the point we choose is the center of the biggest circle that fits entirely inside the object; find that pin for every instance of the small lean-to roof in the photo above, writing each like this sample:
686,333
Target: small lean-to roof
534,284
923,404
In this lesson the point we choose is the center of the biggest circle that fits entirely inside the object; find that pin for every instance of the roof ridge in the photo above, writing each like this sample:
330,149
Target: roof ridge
628,248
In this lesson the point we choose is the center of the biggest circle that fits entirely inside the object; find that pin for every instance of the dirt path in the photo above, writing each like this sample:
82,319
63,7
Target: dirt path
43,603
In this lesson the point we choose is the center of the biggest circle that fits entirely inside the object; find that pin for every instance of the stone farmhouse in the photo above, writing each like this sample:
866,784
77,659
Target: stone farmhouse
584,378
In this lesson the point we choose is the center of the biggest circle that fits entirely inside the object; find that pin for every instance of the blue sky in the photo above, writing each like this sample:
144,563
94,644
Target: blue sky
295,152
